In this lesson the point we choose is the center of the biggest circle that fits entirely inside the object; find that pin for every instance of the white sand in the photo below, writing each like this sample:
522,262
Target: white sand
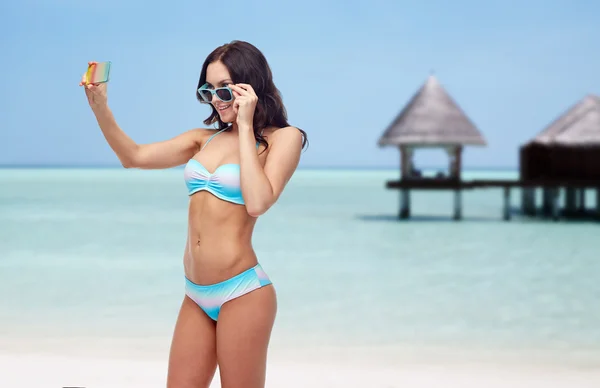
47,371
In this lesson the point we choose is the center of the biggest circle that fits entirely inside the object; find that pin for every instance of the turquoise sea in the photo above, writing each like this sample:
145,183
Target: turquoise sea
97,253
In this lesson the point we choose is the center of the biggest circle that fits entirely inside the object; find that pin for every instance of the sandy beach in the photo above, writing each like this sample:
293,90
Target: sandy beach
44,370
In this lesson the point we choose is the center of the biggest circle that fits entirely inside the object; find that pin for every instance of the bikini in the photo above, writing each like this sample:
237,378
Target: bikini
223,183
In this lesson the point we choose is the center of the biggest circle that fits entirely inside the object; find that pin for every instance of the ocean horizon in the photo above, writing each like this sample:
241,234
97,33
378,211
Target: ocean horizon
302,168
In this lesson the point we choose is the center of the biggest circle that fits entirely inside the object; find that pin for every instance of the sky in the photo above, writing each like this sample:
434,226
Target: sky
345,70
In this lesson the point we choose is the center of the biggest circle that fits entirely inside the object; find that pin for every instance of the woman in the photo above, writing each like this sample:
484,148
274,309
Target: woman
233,175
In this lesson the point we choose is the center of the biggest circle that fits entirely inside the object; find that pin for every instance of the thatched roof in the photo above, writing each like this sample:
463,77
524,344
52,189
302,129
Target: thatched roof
431,117
579,125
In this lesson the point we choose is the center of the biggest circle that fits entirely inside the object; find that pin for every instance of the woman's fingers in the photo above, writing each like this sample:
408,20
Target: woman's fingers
239,90
83,77
247,87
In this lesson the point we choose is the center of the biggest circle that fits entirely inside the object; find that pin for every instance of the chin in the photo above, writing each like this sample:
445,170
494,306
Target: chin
228,118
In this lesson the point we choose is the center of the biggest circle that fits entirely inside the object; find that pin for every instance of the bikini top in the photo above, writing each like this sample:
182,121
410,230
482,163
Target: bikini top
223,183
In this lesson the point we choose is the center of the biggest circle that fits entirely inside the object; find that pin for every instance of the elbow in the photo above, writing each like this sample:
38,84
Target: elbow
131,161
128,163
257,205
257,210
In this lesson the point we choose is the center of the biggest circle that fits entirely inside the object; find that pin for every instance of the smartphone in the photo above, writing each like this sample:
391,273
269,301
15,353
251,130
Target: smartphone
98,73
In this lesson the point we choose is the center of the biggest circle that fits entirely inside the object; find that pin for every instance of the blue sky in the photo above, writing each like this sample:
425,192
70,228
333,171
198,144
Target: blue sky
345,69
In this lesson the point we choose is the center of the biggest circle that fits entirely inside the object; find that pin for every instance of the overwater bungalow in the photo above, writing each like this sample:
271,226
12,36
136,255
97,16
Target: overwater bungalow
566,153
430,119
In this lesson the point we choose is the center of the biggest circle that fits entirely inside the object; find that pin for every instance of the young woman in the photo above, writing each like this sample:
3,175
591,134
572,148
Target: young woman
233,175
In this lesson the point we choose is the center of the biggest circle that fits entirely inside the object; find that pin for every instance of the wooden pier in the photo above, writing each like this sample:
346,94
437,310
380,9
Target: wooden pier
550,207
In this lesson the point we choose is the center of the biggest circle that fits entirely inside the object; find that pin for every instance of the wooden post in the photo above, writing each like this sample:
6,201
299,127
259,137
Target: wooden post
404,203
457,162
548,201
581,201
454,161
555,204
404,168
570,200
506,203
457,204
528,201
598,202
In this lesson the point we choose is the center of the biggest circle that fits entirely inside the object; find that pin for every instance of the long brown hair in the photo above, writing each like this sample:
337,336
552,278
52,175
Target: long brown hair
247,64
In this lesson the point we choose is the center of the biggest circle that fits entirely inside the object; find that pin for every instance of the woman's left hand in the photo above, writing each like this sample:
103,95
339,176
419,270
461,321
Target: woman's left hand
244,104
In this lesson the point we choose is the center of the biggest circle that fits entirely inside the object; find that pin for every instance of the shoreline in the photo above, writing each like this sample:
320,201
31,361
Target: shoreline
152,349
35,370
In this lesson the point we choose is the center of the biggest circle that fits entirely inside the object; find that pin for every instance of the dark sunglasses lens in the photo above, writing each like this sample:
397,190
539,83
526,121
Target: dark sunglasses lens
224,94
206,95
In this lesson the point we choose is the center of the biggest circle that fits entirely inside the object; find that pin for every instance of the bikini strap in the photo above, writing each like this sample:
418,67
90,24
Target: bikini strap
215,134
210,138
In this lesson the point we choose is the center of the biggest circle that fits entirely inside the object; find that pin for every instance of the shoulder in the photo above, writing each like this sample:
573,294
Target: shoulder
290,136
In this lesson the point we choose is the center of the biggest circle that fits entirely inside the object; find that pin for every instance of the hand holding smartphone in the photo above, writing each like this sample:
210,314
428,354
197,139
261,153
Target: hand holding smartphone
94,81
98,72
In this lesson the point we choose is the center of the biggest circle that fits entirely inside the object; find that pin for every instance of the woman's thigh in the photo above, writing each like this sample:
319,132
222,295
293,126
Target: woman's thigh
243,333
193,356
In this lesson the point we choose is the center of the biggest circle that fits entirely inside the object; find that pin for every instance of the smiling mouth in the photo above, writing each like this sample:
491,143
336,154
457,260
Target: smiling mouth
223,107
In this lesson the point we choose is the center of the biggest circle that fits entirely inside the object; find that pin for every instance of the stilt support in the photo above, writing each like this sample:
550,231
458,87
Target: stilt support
598,202
570,201
548,200
528,201
581,201
506,211
554,195
457,204
404,204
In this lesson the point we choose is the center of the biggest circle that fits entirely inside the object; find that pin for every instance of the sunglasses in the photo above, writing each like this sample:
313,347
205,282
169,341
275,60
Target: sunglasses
224,93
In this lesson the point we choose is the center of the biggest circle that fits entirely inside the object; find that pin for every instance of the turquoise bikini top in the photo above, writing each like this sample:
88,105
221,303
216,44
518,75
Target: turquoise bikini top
223,183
